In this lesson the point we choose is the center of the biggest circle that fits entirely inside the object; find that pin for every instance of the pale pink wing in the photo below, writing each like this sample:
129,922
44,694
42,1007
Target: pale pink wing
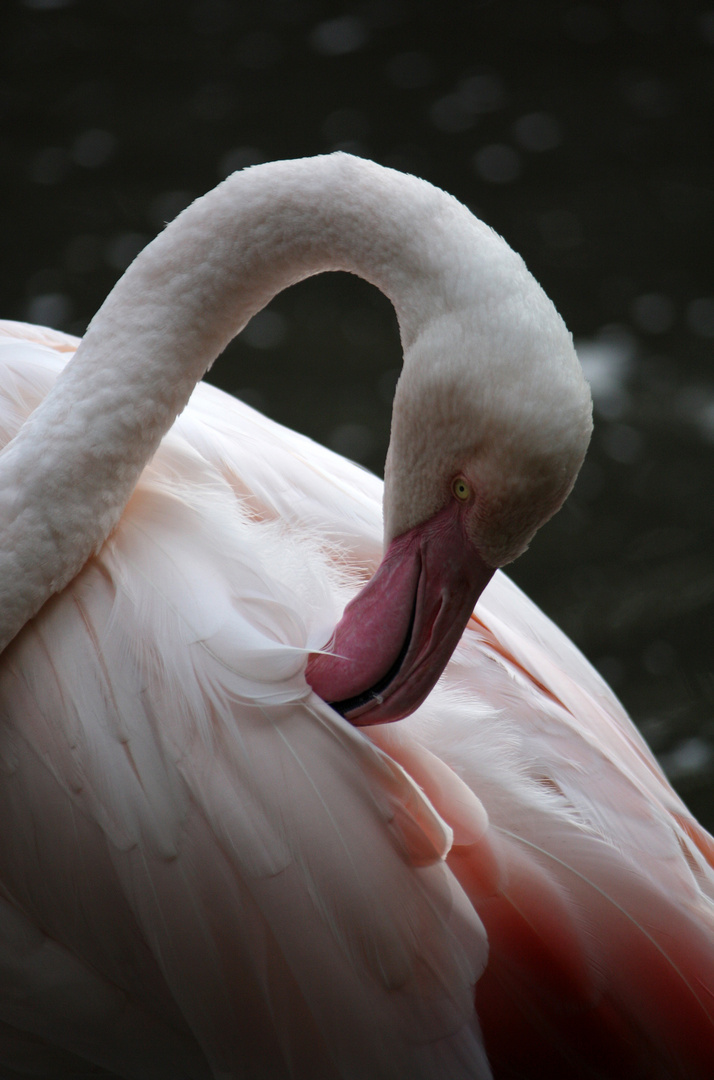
594,883
220,873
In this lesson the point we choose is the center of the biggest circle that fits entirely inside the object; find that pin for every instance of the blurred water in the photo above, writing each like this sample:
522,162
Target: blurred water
581,131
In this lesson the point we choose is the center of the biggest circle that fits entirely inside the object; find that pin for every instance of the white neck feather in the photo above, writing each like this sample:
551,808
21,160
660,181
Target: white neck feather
66,478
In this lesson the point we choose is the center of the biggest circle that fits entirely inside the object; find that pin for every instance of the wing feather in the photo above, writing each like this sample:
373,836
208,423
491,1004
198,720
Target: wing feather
598,906
276,893
187,820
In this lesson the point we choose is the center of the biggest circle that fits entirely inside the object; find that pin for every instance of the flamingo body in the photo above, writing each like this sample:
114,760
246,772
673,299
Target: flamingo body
206,871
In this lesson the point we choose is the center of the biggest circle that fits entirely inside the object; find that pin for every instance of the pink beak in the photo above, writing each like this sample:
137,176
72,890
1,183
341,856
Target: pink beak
397,635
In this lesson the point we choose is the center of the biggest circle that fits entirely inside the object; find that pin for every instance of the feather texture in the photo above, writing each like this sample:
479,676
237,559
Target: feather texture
205,871
148,843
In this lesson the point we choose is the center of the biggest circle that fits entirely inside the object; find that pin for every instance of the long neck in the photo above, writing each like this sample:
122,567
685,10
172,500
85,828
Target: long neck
66,478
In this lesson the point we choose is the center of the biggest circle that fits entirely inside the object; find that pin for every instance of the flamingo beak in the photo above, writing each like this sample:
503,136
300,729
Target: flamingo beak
397,635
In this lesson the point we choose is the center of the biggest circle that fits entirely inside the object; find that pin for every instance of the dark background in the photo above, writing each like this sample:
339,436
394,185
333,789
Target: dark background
581,131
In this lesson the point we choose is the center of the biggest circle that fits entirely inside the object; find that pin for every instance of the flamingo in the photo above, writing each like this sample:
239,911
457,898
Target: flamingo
247,829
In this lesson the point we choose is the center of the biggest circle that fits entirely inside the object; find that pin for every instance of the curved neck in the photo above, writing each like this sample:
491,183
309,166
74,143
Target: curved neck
66,478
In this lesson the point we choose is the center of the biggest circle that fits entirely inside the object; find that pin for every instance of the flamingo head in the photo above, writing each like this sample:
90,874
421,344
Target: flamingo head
491,421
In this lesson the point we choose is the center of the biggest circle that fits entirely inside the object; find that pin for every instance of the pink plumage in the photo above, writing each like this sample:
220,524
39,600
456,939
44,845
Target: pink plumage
206,871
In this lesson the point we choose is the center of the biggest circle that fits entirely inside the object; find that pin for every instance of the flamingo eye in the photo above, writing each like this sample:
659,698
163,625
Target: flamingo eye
461,489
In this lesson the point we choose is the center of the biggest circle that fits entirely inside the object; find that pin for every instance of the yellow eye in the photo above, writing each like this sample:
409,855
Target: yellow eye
461,489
